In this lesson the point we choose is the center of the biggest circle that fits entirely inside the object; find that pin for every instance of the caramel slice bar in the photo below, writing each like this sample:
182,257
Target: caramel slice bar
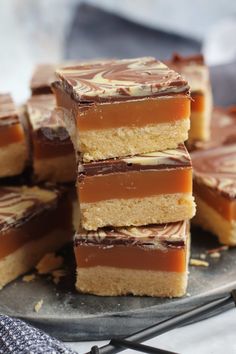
194,70
33,221
144,189
123,107
13,150
53,154
151,260
223,129
215,191
43,76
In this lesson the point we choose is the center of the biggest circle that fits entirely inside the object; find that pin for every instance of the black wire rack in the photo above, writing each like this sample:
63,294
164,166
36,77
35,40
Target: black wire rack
134,341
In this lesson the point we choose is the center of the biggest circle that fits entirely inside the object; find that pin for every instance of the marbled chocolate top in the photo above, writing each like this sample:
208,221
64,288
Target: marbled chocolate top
158,236
193,69
216,169
20,204
8,113
43,76
176,158
223,129
125,79
46,118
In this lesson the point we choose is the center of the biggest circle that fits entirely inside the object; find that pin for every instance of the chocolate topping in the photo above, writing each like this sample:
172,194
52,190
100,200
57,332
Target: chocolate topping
126,79
216,168
20,204
45,119
223,129
176,158
178,59
158,236
42,78
193,69
8,113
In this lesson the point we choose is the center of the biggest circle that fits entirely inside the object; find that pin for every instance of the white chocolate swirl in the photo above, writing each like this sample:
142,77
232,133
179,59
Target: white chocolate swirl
216,168
127,78
44,116
20,203
175,157
151,235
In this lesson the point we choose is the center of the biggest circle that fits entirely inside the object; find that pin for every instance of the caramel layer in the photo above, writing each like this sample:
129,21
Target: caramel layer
48,149
11,134
37,227
137,113
224,206
134,113
135,184
170,260
198,103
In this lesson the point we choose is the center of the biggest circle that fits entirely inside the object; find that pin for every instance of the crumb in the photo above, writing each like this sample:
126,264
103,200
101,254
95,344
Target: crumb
202,256
49,263
215,255
38,306
57,275
29,277
198,263
188,294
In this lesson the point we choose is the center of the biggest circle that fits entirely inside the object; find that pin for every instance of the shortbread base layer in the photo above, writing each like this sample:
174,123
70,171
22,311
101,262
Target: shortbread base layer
57,169
13,159
27,256
125,141
199,129
210,220
110,281
139,211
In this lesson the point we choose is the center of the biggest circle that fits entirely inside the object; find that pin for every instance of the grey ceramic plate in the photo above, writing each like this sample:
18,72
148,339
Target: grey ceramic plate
71,316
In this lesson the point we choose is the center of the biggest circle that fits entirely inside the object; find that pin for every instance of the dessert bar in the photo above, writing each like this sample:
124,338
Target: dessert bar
151,260
223,129
33,221
43,76
194,70
13,148
52,150
123,107
139,190
215,191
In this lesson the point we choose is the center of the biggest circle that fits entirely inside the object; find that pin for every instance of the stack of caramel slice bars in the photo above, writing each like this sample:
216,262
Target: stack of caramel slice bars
215,177
33,220
196,72
212,141
13,146
128,120
52,153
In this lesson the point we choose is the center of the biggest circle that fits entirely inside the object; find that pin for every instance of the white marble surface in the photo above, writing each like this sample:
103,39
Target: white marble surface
212,336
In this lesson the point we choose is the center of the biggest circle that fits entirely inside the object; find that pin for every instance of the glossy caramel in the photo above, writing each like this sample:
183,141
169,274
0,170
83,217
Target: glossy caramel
10,134
131,257
135,184
138,113
134,113
198,102
37,227
224,206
